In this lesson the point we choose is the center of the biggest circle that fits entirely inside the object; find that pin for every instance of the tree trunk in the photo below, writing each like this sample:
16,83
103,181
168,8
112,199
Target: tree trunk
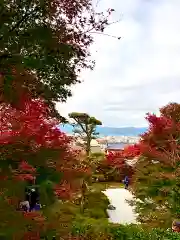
83,192
88,146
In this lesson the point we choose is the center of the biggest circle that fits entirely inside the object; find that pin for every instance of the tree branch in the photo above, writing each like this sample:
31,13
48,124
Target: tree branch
105,34
80,124
26,15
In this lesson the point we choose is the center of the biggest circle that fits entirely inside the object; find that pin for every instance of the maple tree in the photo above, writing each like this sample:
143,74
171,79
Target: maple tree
33,150
115,167
156,183
85,126
49,39
115,158
131,151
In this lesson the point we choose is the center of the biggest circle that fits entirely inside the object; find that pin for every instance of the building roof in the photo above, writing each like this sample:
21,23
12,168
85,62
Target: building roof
115,146
94,143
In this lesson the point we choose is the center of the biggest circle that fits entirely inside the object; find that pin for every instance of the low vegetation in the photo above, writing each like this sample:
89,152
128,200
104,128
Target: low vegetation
88,229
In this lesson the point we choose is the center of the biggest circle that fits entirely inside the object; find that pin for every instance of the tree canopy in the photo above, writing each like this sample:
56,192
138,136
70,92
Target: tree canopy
45,44
85,127
32,149
157,180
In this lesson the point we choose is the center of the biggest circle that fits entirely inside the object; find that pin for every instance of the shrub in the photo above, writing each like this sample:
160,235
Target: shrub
99,178
96,205
91,229
97,199
97,228
95,213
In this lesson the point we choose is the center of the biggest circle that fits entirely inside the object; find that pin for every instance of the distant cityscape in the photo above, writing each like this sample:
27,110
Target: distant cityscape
112,138
119,139
111,132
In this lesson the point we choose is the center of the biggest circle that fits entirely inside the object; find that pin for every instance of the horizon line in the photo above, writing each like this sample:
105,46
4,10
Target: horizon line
113,126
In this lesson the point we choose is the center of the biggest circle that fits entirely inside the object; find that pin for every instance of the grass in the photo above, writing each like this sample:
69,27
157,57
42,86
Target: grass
65,214
95,206
101,186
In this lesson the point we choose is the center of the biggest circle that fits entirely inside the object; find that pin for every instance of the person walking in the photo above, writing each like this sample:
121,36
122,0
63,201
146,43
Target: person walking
33,199
176,226
126,182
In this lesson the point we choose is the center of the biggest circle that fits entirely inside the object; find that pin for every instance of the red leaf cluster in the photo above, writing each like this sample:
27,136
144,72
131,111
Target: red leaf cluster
115,159
161,141
64,191
132,151
24,166
30,130
32,236
31,125
157,125
118,158
36,216
25,172
171,111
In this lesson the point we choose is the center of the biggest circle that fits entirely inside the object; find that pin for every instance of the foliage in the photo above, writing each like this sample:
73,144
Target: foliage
96,205
32,148
43,47
49,39
67,213
131,151
114,166
157,179
102,186
115,159
97,156
102,230
95,160
89,229
85,127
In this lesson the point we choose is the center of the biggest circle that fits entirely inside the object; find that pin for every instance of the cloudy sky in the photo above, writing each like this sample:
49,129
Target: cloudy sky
137,74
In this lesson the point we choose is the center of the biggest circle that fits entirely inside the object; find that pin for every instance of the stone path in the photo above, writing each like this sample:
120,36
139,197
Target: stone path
123,213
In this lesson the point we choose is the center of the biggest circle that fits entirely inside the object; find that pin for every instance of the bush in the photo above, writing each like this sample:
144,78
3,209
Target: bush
95,229
98,178
95,213
96,205
91,229
97,199
100,155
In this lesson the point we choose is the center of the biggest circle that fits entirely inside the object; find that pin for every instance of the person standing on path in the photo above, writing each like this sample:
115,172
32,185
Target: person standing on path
34,198
126,182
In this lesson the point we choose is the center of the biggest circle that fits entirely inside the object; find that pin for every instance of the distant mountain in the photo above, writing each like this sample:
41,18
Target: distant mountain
110,131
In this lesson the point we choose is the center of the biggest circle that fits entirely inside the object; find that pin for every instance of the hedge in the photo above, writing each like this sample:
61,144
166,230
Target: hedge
90,229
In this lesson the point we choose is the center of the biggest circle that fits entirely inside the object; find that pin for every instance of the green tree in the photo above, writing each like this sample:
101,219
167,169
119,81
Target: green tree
49,40
156,183
85,126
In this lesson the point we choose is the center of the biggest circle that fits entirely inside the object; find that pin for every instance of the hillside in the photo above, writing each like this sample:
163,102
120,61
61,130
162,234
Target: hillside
110,131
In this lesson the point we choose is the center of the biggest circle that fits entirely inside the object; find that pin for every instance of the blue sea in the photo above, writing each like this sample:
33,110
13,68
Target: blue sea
109,131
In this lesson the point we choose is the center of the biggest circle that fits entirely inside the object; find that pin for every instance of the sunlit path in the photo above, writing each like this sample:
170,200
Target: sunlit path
123,213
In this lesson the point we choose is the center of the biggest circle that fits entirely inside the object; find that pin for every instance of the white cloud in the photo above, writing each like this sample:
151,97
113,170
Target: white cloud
137,74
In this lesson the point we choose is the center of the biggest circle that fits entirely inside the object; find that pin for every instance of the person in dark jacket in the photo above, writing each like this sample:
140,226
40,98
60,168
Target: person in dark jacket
126,182
33,199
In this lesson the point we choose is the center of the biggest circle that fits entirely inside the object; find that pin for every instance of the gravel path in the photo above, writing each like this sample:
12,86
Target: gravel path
123,213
